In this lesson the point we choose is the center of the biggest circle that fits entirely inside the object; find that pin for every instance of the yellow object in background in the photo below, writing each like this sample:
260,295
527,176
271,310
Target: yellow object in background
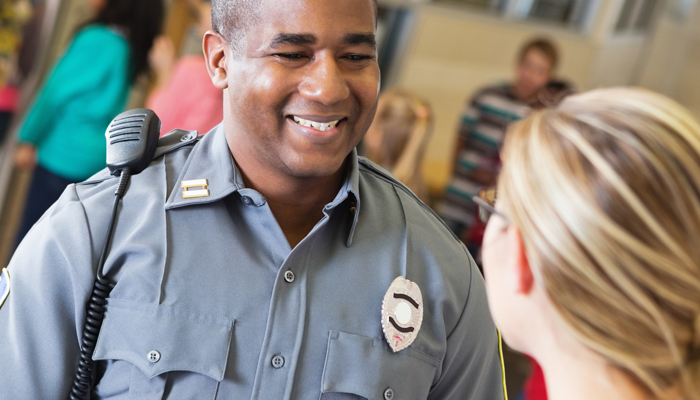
13,14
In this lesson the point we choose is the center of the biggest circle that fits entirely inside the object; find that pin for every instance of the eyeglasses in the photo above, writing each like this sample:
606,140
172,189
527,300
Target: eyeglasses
486,203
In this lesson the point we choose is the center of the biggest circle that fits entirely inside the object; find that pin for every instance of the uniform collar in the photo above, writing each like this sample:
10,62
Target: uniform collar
349,193
211,159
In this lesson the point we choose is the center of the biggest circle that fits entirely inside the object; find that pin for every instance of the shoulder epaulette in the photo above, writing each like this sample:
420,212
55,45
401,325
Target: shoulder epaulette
174,140
385,175
170,142
376,169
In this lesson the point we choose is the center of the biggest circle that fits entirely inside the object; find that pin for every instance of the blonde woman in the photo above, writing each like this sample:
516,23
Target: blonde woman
398,137
592,250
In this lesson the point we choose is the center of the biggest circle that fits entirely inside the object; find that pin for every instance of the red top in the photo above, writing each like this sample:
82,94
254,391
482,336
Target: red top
535,388
9,97
189,101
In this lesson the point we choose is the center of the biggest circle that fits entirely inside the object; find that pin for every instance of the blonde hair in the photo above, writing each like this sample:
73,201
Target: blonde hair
405,122
605,189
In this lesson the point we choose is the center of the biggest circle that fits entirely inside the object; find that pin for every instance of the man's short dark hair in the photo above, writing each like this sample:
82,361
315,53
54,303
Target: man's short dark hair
232,18
544,46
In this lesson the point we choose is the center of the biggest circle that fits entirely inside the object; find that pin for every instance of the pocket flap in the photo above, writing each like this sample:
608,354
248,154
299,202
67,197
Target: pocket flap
182,340
366,367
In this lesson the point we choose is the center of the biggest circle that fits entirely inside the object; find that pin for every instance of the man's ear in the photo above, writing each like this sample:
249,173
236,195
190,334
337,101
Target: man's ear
214,47
524,279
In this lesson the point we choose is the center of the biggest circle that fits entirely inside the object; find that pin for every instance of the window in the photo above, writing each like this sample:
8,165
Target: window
574,14
681,9
496,5
636,16
554,10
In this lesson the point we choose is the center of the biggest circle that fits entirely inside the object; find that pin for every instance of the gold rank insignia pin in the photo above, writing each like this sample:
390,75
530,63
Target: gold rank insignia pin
190,191
4,286
402,313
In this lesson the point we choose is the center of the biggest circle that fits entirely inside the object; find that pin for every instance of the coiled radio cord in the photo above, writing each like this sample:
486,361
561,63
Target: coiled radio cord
82,385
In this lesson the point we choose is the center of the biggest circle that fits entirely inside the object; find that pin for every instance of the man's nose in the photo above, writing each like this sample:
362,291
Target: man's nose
325,81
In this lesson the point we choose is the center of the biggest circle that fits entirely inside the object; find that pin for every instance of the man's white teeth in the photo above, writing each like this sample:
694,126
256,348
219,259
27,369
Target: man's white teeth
320,126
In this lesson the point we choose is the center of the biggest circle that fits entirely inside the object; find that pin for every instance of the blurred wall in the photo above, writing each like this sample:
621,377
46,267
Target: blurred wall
671,55
688,86
455,51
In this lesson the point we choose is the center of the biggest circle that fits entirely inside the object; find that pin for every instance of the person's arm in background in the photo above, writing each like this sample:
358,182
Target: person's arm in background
469,118
162,99
162,61
86,65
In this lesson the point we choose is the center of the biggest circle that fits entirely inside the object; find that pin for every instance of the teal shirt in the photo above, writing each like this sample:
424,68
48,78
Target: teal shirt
87,88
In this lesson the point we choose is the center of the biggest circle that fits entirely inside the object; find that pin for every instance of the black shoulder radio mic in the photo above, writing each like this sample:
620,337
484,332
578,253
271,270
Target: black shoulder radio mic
132,138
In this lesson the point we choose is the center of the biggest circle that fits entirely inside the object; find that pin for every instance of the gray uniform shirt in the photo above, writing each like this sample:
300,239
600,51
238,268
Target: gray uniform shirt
201,290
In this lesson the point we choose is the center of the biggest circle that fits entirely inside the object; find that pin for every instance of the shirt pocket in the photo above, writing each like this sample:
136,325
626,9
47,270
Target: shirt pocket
169,350
363,366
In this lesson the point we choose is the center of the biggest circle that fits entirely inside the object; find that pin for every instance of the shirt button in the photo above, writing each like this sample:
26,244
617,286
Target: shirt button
153,356
388,394
247,200
278,362
289,276
188,136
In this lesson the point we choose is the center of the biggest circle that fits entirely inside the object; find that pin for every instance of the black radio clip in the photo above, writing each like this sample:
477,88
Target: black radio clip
132,138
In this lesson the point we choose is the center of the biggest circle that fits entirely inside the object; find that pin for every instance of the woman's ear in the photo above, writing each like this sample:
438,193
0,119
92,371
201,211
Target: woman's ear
524,279
215,51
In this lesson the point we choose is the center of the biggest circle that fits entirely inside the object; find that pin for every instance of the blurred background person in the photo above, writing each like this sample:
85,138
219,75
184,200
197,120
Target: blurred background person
398,136
62,136
481,135
184,97
552,94
591,252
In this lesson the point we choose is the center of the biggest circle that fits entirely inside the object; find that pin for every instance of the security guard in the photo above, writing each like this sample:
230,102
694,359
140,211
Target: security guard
264,260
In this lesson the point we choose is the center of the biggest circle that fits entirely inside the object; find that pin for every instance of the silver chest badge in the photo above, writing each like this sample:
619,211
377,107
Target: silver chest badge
4,285
402,313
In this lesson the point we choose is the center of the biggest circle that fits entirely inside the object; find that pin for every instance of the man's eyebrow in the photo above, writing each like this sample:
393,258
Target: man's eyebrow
307,38
292,38
360,38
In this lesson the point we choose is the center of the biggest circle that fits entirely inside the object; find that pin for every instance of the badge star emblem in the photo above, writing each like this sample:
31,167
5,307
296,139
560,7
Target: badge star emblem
402,313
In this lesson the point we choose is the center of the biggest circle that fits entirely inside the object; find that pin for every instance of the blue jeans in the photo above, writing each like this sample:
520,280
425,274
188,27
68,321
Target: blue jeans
5,119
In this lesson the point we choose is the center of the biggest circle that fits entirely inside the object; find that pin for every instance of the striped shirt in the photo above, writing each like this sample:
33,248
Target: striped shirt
482,130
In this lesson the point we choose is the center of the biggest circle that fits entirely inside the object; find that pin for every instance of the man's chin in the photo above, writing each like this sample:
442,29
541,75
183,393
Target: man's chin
315,167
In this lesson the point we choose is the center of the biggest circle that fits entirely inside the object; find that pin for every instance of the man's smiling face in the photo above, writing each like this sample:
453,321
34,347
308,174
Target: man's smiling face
303,86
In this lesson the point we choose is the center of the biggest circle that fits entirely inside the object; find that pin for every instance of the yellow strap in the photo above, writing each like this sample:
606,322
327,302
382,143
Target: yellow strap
503,365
